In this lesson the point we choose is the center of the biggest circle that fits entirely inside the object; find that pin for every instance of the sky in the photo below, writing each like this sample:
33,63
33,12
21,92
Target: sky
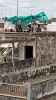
8,8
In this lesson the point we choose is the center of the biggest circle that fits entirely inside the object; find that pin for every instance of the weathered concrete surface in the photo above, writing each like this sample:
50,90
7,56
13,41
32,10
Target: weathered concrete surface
8,97
46,45
46,50
40,90
49,97
46,54
24,70
19,65
43,88
25,74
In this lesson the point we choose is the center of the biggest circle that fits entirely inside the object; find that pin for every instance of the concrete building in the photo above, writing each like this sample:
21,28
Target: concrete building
34,72
51,25
8,25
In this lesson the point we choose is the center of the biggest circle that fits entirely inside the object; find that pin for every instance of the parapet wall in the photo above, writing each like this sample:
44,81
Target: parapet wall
13,89
48,97
7,97
42,89
31,91
29,73
19,65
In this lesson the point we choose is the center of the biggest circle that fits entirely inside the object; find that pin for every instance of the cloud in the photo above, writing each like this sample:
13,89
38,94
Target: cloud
23,4
26,7
54,5
1,1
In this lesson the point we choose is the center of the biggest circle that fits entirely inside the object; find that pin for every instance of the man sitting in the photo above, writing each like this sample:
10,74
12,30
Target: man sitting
28,28
38,28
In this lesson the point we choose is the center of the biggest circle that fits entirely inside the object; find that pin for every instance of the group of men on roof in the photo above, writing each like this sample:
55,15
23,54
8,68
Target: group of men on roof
33,27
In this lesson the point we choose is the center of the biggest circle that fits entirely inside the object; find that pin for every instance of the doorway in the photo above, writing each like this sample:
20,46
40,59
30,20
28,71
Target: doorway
28,52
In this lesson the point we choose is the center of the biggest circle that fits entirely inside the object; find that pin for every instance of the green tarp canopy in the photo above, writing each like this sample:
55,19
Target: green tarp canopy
41,17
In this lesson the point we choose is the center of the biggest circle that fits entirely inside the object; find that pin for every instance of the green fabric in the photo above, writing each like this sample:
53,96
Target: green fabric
28,19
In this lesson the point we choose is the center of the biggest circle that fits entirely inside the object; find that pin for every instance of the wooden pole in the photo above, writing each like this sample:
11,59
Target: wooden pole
13,56
17,7
36,51
55,46
29,92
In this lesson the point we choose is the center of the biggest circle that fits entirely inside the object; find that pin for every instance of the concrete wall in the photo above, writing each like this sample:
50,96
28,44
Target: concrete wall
46,50
46,59
21,53
41,89
45,90
22,71
4,97
51,27
49,97
26,73
19,65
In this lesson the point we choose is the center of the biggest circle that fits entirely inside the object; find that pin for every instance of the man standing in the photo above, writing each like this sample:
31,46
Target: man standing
33,25
18,26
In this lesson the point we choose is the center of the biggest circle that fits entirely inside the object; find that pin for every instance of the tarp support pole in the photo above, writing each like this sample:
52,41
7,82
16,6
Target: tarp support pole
36,51
13,56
